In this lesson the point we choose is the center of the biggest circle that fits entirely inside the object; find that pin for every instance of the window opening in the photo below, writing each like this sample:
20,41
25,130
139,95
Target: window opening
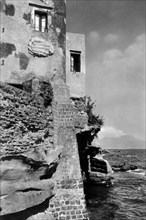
75,61
16,85
40,21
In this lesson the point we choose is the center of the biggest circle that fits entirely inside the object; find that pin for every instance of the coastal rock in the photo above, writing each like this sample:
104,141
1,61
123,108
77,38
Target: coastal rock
128,167
120,162
124,167
24,181
41,216
27,194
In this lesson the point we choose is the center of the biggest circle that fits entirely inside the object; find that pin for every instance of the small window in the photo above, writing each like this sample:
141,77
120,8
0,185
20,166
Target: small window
40,21
75,61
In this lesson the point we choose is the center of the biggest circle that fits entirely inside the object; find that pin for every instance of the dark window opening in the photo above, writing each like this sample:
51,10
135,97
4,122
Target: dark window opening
75,62
40,21
16,85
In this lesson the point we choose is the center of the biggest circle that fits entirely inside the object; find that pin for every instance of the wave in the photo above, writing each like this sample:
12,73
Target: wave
137,171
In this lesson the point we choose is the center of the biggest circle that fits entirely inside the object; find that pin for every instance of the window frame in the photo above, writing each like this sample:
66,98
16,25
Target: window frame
40,15
75,67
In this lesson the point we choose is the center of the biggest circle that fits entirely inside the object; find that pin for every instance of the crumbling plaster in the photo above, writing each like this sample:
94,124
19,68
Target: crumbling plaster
17,32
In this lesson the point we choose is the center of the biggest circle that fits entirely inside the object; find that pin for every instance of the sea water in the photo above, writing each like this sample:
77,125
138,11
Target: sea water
126,199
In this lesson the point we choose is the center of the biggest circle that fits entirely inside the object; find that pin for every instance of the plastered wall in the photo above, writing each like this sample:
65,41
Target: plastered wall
75,80
25,52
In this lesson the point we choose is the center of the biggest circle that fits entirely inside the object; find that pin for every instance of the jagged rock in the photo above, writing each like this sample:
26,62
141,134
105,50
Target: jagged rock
25,183
20,168
41,216
49,155
40,47
124,167
120,162
16,197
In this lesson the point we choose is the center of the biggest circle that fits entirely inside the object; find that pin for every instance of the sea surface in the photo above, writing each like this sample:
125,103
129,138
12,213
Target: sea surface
126,199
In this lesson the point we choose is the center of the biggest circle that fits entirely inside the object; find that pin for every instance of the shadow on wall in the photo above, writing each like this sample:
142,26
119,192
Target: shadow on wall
41,88
84,139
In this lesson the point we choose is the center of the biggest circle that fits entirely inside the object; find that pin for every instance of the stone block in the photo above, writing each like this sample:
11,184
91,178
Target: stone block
61,93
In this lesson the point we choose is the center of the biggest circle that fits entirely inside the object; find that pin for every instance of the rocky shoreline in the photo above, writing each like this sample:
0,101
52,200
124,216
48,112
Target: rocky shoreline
122,162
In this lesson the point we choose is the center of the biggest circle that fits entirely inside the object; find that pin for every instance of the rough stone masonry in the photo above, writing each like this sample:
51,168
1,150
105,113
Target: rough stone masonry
39,156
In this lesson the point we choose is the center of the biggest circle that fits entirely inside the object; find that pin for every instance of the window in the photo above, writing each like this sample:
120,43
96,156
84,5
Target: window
41,21
75,61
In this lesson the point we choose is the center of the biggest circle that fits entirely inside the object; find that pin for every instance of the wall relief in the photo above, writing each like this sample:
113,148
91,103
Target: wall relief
40,47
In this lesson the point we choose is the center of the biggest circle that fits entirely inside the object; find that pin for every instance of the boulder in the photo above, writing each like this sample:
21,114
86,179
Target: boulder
16,197
124,167
25,183
41,216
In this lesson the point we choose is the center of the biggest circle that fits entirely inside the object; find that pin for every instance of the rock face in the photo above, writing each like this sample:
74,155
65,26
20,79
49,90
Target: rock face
120,162
24,181
26,167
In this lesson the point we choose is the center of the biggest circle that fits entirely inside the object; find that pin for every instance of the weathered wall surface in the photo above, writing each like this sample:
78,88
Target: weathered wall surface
26,52
69,201
75,80
27,157
20,129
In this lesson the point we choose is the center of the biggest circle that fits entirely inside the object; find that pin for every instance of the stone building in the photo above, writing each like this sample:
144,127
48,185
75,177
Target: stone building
75,64
34,43
33,36
42,68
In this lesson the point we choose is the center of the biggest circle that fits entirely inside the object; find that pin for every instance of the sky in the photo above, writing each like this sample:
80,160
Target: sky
115,32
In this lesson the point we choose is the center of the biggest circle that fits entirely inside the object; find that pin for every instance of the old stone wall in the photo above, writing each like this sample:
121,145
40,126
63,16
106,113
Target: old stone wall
20,129
69,201
26,52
